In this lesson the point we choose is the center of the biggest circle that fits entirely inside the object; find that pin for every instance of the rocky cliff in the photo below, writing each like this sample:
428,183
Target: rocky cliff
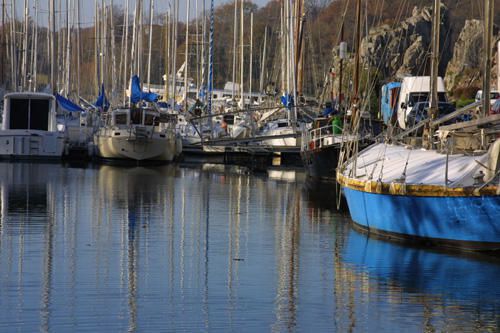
405,49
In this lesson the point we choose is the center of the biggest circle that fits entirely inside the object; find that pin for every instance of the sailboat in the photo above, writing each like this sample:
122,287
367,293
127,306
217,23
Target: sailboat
138,132
445,191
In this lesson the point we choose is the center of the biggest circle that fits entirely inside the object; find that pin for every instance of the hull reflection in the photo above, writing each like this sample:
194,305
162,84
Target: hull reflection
435,282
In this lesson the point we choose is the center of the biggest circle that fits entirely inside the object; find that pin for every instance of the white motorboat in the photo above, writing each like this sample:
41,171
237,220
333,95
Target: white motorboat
138,134
29,128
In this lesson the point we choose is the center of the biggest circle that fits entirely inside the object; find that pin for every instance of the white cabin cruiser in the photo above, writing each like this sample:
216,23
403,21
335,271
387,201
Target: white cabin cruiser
138,134
29,128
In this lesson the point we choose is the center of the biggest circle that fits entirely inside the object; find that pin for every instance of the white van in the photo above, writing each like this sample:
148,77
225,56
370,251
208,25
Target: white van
416,89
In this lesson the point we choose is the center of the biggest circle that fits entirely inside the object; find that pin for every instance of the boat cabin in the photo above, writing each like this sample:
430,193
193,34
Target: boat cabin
129,117
29,111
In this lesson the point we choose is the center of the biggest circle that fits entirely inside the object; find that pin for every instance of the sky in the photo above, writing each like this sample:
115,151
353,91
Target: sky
88,7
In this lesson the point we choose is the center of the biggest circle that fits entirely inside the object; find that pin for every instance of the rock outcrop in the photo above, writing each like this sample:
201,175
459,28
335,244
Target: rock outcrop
464,69
401,50
405,49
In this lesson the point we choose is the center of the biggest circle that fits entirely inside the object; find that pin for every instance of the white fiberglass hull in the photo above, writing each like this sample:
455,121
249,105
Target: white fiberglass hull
291,142
31,144
158,147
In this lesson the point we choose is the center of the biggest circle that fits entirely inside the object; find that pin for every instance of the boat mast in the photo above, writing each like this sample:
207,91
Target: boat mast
151,11
104,44
96,45
287,47
299,46
342,54
13,60
68,48
242,55
167,53
186,59
60,49
197,43
357,65
113,50
488,35
210,63
78,47
125,53
140,27
292,63
250,70
263,62
24,64
34,53
53,60
434,99
283,47
235,37
174,49
203,49
133,48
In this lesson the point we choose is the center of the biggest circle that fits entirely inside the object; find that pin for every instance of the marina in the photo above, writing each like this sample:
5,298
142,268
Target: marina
265,165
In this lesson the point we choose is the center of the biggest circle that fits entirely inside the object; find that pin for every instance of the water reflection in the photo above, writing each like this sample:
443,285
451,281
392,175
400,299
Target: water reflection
450,292
211,248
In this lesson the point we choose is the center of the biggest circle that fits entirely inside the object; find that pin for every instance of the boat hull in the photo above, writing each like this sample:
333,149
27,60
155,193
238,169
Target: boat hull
153,149
469,222
321,163
31,144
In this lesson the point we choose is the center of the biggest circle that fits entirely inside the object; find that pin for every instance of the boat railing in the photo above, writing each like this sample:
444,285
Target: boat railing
317,138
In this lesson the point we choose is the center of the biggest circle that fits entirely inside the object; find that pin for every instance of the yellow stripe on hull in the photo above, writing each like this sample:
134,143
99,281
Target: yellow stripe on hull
419,190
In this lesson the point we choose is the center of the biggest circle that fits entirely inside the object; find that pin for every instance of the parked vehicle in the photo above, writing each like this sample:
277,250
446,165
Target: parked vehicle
494,95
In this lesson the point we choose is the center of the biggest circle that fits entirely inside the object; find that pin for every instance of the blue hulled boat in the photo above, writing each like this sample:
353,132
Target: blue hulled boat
451,200
442,186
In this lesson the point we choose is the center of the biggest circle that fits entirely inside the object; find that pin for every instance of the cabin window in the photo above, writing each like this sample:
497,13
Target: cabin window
121,119
39,114
29,114
19,113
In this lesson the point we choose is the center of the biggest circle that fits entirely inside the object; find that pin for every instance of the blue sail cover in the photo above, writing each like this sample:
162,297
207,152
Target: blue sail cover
67,105
287,101
137,95
102,101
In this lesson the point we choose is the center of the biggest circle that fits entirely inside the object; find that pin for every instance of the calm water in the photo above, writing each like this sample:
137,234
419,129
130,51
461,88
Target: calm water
212,248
